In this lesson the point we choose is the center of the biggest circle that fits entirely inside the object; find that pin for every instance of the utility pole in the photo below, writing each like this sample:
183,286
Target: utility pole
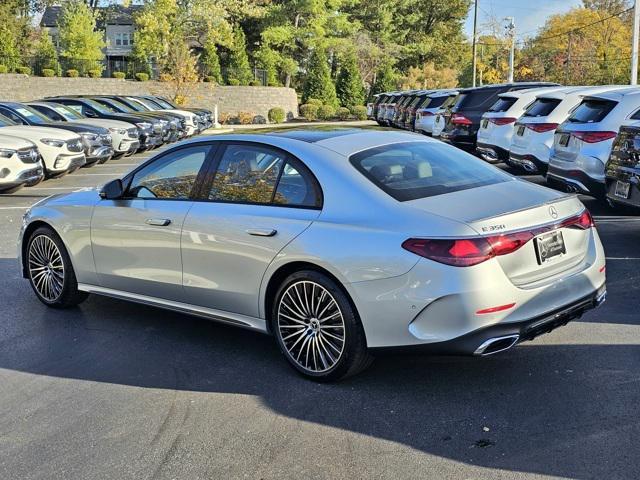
511,32
475,39
634,46
567,71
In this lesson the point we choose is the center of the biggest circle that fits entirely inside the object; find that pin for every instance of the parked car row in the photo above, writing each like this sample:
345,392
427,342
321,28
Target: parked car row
582,139
57,135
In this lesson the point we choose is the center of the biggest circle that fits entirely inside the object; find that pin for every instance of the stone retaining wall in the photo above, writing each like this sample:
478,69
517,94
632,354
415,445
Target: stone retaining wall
230,100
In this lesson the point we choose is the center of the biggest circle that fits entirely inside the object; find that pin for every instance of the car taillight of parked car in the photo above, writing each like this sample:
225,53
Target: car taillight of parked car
594,137
467,252
541,127
459,119
502,121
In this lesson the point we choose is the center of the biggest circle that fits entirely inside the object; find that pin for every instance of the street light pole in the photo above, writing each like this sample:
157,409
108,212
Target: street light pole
634,46
511,30
475,36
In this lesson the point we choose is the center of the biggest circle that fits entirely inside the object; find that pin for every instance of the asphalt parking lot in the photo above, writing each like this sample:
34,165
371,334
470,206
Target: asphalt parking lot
118,390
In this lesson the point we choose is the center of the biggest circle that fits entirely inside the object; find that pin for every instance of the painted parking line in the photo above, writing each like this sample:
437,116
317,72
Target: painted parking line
622,258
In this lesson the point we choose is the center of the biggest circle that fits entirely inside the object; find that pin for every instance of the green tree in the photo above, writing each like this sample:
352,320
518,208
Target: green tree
46,55
80,42
268,59
211,62
318,83
386,80
9,35
238,68
349,88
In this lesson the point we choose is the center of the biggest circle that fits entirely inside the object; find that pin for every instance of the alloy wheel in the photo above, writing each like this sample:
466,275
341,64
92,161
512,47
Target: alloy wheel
311,326
46,268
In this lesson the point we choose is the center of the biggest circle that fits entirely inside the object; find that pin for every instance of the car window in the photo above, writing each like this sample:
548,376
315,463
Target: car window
171,176
5,121
11,115
297,187
408,171
476,98
67,112
49,113
542,107
592,111
635,116
247,174
32,115
502,104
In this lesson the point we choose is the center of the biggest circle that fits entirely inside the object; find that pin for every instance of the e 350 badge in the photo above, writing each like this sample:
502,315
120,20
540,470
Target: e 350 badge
494,228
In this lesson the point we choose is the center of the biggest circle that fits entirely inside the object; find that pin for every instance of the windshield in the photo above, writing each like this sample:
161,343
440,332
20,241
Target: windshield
6,122
100,107
32,115
152,103
118,106
134,106
408,171
67,113
139,104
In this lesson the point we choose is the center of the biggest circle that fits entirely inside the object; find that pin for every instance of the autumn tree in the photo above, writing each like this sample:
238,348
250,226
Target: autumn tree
428,77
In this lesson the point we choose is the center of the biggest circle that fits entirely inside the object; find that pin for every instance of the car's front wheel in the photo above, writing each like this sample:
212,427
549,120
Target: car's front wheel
317,328
50,271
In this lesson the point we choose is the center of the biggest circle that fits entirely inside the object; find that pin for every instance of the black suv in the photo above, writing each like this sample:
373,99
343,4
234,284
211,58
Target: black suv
462,118
622,173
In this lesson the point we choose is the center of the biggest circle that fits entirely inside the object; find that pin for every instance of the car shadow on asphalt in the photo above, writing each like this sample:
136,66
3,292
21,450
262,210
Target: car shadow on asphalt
545,409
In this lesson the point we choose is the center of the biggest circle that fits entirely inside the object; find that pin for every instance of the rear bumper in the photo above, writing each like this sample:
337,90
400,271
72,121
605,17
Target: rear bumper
502,336
575,181
464,142
492,153
529,162
634,190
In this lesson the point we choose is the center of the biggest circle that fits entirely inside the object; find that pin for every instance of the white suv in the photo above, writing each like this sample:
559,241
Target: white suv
426,114
582,144
496,125
533,133
19,163
61,150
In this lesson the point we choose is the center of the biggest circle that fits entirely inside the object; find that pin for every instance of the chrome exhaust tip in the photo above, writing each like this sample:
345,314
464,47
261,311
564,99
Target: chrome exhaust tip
496,345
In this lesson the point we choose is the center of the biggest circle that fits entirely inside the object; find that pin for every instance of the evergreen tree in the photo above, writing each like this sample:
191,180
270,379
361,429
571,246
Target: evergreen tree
349,83
9,49
211,62
239,69
386,80
268,60
318,83
81,43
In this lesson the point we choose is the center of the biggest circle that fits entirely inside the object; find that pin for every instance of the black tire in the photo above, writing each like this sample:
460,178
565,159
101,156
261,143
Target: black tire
69,295
9,190
352,358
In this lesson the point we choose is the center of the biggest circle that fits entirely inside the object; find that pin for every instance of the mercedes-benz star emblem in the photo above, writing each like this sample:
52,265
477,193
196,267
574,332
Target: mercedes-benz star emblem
553,212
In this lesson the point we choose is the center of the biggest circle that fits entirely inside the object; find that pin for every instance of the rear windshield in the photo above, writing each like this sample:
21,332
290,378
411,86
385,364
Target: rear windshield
435,102
476,98
449,101
592,111
502,104
412,170
541,107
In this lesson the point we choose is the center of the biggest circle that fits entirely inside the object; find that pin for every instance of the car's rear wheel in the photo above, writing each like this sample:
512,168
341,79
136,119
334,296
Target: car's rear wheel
317,328
50,271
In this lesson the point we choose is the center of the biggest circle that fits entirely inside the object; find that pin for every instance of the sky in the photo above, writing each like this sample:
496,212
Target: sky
529,15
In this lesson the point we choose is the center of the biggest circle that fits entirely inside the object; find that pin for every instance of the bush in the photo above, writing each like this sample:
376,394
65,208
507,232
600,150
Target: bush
326,112
245,118
119,75
23,70
4,69
142,77
309,111
224,117
234,82
343,113
73,73
360,112
164,77
95,73
277,115
314,101
48,72
274,84
209,79
255,83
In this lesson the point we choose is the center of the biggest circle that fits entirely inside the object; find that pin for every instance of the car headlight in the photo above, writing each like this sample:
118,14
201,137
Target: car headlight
7,152
119,131
92,137
52,142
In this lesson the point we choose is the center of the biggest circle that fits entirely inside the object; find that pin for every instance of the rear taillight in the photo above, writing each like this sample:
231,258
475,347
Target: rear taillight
459,119
502,121
467,252
594,137
541,127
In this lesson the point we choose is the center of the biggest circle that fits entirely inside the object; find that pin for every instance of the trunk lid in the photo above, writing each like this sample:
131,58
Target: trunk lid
518,206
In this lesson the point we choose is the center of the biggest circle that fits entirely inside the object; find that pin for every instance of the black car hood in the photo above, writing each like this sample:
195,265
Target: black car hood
74,127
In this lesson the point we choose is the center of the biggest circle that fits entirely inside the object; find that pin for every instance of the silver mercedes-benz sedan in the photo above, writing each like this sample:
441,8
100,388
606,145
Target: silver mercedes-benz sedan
336,242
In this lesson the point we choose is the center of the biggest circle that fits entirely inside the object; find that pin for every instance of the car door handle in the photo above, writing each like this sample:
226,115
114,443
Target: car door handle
158,222
261,232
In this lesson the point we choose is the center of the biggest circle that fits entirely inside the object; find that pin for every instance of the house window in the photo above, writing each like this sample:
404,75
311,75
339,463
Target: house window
124,39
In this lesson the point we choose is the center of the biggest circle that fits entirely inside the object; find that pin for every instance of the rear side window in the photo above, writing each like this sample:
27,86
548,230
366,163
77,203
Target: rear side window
592,111
542,107
635,116
435,102
475,99
408,171
502,104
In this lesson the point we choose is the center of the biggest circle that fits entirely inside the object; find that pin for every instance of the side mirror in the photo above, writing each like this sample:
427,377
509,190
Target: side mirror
112,190
90,114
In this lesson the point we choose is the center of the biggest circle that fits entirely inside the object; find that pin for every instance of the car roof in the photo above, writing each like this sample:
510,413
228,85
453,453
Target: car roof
507,85
617,94
528,92
581,90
